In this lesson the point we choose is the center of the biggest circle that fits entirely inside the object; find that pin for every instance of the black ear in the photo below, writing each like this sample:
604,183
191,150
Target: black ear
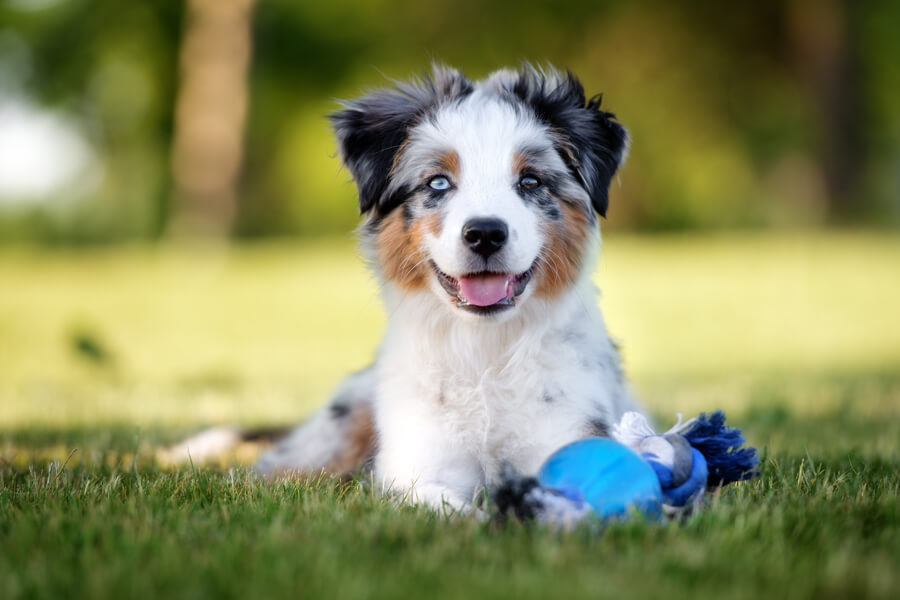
371,131
591,142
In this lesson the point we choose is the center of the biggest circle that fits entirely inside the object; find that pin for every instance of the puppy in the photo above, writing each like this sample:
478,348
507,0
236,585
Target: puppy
481,204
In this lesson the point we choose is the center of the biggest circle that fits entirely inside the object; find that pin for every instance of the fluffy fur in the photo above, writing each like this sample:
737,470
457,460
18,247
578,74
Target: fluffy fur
480,203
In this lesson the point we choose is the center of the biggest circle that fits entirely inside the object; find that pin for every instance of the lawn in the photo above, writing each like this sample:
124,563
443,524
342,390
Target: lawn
108,354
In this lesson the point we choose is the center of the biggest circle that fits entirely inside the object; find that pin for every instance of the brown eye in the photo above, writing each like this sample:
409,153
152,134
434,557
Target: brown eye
530,182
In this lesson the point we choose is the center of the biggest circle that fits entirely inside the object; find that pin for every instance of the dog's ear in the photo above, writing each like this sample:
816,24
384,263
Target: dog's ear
371,131
591,142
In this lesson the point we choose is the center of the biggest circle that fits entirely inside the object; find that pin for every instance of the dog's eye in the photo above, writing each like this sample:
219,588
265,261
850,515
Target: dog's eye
439,183
530,182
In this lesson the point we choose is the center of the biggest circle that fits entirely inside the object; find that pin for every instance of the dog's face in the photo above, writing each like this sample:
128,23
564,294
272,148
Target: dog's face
487,193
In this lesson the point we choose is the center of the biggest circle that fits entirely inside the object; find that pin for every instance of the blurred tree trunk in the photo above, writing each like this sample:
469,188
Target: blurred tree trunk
824,52
210,112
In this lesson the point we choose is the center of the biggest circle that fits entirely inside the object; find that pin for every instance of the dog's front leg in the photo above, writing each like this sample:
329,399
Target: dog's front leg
420,469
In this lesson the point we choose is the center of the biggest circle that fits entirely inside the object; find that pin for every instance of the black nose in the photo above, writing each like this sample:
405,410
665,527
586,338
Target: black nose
485,235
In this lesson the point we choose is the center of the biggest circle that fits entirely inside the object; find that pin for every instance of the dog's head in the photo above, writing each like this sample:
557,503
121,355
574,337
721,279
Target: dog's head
485,193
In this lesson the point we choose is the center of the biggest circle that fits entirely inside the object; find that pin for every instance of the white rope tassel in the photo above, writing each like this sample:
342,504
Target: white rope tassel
633,428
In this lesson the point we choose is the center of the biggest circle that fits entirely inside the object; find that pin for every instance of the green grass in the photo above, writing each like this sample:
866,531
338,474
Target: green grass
107,355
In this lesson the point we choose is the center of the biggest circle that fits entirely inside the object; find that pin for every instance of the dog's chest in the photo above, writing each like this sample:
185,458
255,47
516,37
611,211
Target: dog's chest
515,405
511,418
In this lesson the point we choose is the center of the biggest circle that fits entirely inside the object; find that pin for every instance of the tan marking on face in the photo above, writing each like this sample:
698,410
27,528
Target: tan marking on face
434,224
558,267
400,254
519,163
448,162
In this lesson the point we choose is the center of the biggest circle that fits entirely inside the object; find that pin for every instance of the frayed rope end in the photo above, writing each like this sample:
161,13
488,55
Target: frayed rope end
721,446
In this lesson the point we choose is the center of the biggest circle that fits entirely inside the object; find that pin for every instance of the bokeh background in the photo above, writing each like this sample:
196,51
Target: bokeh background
175,224
125,121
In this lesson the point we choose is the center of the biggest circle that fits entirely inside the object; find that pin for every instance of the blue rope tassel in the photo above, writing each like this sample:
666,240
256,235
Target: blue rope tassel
721,445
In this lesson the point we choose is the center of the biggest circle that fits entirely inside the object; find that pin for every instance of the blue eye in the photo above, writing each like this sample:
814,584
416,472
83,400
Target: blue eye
530,182
439,183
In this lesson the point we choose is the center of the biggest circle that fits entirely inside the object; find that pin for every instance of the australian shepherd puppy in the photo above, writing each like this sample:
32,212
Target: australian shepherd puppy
481,204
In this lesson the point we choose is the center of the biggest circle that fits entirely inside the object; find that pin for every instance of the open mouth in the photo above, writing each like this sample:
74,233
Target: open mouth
484,292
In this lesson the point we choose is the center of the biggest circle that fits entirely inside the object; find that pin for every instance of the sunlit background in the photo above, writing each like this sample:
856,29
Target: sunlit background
176,227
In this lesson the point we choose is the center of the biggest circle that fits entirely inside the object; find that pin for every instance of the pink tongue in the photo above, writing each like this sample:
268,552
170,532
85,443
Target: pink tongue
484,290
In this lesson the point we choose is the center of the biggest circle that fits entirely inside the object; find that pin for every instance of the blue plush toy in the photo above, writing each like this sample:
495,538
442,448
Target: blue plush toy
637,471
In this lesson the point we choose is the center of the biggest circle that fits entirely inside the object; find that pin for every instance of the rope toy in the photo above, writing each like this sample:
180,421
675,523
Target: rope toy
637,471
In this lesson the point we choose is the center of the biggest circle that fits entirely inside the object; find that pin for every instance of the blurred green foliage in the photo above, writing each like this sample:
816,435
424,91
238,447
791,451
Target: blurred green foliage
772,113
